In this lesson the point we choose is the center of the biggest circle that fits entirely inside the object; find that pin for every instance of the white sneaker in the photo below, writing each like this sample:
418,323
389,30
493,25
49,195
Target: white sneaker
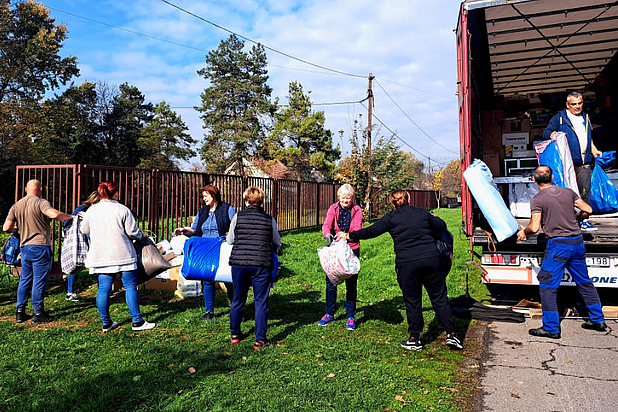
113,326
144,326
72,297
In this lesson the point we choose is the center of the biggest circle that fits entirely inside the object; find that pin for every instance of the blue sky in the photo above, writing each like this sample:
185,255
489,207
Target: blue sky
408,45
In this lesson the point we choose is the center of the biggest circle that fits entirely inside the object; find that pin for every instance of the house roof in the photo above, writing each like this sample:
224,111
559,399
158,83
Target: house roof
274,169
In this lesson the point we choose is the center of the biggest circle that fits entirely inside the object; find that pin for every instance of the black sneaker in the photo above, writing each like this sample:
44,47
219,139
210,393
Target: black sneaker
453,342
412,344
43,317
21,316
208,316
542,333
601,327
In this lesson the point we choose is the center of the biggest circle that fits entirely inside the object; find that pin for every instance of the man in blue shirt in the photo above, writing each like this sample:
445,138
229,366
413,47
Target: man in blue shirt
578,130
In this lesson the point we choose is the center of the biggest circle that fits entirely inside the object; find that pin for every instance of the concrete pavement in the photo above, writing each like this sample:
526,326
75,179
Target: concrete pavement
578,372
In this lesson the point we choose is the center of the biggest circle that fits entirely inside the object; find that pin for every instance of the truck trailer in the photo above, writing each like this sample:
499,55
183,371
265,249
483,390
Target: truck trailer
517,60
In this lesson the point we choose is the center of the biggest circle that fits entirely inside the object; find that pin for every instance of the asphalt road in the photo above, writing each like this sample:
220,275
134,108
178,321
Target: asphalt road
578,372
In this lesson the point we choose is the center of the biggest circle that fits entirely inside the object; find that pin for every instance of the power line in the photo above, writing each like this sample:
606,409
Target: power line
285,105
418,90
127,30
414,123
263,45
403,141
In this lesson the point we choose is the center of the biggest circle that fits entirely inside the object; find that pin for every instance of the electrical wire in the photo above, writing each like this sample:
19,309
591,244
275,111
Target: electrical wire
263,45
413,122
418,90
403,141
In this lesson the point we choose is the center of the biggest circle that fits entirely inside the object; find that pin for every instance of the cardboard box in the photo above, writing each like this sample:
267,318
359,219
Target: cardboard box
536,133
514,125
492,137
159,284
492,159
492,118
174,273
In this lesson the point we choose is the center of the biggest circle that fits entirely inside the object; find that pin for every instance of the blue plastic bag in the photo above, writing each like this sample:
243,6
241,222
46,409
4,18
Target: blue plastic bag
603,193
201,258
487,196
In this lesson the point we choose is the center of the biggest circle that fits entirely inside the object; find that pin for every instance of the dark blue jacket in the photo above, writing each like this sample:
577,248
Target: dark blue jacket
561,123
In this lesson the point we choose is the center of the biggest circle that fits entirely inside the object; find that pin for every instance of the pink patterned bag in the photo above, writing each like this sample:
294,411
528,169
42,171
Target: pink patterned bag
338,261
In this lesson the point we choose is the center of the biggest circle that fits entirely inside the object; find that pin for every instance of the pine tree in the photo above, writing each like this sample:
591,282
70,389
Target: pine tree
299,138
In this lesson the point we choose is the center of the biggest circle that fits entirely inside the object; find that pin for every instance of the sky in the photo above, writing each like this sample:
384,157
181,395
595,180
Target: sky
408,45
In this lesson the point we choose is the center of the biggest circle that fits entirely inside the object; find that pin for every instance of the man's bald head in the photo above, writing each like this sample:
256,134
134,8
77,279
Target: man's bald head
33,187
543,175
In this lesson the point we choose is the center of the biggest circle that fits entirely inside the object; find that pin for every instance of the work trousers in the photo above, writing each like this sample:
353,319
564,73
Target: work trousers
566,253
412,276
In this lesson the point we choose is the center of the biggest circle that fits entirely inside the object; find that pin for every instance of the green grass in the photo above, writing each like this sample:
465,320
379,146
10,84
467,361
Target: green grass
184,364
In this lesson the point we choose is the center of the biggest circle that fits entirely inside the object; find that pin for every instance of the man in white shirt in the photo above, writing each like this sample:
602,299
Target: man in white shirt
578,130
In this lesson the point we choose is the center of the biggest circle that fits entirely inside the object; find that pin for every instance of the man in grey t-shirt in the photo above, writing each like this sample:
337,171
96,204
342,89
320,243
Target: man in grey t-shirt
553,209
32,215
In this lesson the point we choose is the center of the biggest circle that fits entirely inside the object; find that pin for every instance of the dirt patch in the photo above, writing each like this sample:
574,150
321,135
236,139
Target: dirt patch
470,372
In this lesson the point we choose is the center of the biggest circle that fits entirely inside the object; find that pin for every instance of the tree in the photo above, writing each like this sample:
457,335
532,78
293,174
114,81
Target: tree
391,168
30,65
164,140
124,125
67,130
236,107
299,138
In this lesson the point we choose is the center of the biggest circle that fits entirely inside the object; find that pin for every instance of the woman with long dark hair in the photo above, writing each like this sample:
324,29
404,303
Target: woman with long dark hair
417,264
212,221
112,228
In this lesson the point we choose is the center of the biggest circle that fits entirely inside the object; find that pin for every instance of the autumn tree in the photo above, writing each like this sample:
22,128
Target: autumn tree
30,66
391,168
236,107
165,140
299,139
67,130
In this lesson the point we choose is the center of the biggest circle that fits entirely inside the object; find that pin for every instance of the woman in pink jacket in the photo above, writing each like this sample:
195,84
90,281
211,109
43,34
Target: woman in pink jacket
344,216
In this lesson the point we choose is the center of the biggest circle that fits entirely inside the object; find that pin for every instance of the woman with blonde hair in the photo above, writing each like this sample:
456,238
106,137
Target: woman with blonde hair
343,216
254,235
417,264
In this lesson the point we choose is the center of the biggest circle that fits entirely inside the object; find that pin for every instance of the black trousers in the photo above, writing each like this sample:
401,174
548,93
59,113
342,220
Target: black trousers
583,174
412,276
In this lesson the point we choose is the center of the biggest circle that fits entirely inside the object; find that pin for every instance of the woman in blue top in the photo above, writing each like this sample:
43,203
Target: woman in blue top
212,221
80,210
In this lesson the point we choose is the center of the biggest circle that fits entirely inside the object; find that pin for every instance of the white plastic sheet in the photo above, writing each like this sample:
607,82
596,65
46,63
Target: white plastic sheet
487,196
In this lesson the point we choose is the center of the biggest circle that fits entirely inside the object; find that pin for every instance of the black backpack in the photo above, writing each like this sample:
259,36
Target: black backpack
10,250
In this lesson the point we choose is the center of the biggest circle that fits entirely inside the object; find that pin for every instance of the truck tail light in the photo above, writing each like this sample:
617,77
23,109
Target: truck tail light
500,259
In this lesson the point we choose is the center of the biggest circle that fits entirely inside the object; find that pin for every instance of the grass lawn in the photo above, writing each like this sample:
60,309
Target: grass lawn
185,364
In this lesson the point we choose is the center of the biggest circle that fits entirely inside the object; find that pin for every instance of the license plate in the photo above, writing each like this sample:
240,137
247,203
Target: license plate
597,262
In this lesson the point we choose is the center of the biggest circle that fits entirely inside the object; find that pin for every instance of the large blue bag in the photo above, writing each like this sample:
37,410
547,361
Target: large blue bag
201,259
555,154
487,196
603,193
204,260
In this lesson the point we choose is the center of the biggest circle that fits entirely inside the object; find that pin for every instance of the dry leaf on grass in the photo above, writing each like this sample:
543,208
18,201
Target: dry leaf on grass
192,369
449,389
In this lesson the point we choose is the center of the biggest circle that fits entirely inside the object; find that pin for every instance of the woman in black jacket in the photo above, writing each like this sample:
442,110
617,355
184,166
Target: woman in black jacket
417,264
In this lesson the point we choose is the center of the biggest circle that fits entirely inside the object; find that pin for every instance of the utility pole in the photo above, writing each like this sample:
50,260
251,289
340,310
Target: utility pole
368,152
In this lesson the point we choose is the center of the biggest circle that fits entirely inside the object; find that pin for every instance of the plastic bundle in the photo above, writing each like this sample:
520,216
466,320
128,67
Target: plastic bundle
201,258
603,193
338,261
555,154
485,192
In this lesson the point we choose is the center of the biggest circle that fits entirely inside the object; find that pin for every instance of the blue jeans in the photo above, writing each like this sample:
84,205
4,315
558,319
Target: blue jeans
36,264
350,293
566,253
208,288
261,279
70,283
129,281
